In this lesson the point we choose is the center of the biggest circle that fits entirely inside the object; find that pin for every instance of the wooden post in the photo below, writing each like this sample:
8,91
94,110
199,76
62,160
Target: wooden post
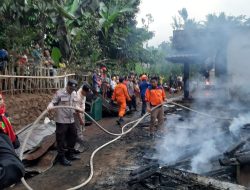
186,80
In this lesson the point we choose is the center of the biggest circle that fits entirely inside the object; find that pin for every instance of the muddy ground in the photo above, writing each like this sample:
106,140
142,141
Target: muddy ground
23,109
112,164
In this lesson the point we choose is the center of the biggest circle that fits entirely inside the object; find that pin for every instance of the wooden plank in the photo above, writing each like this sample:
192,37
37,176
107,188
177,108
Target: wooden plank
187,177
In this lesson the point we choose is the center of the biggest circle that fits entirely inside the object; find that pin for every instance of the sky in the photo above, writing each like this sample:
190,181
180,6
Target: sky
164,10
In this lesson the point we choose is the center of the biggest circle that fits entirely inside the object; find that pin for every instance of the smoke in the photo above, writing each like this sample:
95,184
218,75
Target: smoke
224,47
201,162
201,140
238,123
197,138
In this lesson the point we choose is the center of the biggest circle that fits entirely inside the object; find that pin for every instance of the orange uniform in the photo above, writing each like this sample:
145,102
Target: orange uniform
155,96
120,95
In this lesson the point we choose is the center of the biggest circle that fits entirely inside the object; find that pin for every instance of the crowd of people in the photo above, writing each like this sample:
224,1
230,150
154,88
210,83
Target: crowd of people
27,60
130,91
70,122
127,92
152,95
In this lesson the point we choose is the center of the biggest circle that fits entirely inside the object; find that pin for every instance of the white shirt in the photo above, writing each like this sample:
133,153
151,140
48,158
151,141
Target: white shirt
81,100
113,84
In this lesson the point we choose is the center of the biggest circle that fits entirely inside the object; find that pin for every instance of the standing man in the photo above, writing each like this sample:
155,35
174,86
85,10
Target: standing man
120,95
79,117
96,85
112,85
155,96
4,58
131,92
143,87
37,54
65,124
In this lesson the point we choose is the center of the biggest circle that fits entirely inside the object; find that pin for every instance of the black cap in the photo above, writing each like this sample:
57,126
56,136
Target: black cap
86,88
72,83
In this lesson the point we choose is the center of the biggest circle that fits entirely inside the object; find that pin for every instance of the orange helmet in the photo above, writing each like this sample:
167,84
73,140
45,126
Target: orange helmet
144,77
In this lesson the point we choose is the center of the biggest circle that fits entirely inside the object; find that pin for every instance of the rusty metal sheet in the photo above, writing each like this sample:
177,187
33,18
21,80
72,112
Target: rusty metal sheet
43,147
44,163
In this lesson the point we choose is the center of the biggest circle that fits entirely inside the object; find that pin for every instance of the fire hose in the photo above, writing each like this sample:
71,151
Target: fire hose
93,154
119,135
201,113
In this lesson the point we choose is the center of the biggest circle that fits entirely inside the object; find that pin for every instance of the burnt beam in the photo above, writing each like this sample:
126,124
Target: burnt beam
195,179
186,71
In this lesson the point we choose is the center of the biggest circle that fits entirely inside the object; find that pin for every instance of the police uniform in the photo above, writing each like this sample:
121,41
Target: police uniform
64,118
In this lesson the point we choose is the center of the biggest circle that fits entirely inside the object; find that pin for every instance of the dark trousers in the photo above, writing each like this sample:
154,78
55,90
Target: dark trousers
144,105
65,134
132,103
11,167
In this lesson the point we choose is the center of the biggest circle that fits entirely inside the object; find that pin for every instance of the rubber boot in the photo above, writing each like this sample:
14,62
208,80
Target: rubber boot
120,121
64,161
71,156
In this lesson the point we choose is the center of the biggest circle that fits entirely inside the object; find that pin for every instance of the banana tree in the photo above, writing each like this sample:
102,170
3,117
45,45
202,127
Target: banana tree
69,21
57,12
109,15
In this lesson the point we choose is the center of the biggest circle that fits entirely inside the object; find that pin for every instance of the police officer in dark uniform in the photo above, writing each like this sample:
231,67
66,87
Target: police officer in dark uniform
66,132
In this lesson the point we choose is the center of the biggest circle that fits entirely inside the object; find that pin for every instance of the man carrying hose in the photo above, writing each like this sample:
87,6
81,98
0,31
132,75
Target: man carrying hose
120,95
155,96
65,124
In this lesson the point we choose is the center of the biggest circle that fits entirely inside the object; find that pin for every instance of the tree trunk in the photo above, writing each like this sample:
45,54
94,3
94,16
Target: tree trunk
62,34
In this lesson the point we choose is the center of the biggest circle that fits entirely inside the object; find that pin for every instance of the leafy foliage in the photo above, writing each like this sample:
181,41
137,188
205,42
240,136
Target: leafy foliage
85,31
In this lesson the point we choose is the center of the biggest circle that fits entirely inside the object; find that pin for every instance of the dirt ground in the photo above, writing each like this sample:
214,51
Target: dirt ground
112,164
23,109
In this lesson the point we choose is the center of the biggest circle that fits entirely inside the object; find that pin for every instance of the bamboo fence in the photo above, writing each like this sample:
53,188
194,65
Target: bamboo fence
30,79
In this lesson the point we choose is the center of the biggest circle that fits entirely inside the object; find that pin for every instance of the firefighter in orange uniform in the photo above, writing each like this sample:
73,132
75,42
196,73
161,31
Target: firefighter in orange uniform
120,95
155,96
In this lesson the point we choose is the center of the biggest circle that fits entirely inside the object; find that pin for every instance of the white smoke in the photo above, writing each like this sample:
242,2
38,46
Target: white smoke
201,139
239,122
201,162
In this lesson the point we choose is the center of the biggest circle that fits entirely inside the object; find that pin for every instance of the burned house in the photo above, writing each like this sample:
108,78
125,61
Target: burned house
216,148
225,52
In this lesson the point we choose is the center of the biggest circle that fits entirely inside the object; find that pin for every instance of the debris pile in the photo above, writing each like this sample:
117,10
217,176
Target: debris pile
228,167
153,177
